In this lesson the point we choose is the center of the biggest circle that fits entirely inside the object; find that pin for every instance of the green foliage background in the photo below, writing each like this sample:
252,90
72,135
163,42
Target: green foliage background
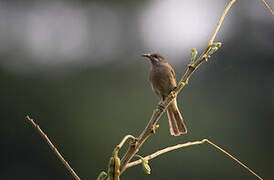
229,100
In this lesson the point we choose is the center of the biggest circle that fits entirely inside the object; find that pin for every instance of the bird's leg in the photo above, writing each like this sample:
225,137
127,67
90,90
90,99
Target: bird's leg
161,106
173,89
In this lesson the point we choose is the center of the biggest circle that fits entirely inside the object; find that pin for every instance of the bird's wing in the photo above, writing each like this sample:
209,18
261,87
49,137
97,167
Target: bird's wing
172,77
173,73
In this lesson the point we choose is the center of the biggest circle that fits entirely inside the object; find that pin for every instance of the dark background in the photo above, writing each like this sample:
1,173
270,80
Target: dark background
75,67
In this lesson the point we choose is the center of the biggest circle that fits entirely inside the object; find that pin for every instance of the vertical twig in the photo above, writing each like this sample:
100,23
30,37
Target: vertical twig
54,149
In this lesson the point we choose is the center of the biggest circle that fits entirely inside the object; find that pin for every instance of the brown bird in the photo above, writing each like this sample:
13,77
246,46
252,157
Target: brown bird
163,81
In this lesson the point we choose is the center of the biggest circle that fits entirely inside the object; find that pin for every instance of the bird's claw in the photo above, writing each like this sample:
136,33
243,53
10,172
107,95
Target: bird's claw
173,89
161,106
172,94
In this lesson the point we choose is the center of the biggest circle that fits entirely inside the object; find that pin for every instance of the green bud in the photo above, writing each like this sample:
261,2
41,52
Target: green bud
145,164
193,53
213,50
117,165
217,44
111,167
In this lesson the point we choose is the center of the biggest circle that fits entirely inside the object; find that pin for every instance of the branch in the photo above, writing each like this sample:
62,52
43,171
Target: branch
268,7
221,21
178,146
232,157
119,146
54,149
157,113
114,162
162,151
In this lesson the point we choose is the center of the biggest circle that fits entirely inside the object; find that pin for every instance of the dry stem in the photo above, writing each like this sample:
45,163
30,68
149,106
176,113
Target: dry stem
157,113
220,21
119,146
268,7
232,157
162,151
54,149
172,148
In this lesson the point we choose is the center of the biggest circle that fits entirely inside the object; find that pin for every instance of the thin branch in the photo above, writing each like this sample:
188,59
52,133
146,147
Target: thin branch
53,148
119,146
232,157
172,148
221,21
162,151
268,7
157,113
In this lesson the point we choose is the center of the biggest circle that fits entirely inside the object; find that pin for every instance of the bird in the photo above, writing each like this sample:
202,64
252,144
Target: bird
163,81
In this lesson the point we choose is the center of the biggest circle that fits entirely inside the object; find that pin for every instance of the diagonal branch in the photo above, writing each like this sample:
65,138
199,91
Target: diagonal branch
53,148
221,21
232,157
268,7
157,113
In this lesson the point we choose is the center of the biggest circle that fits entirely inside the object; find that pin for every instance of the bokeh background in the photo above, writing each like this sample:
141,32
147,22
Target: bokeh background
75,67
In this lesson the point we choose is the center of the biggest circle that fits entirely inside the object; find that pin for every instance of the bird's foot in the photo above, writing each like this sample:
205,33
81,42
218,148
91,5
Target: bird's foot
173,94
173,89
154,127
161,106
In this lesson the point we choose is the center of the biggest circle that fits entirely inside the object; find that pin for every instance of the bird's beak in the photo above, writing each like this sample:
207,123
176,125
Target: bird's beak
146,55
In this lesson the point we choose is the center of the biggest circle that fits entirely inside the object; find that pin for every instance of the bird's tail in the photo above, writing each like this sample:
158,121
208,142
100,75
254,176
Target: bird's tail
175,119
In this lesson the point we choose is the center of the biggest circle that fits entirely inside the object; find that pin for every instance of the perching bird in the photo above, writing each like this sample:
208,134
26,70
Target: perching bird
163,81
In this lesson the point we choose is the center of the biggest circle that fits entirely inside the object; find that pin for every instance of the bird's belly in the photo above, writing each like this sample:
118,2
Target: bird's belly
161,82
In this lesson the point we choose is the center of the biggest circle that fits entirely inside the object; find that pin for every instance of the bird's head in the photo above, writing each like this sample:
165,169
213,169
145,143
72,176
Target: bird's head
155,58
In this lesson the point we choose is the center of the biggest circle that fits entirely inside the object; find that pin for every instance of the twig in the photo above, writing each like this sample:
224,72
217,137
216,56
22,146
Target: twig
157,113
221,21
172,148
119,146
268,7
232,157
53,148
162,151
114,164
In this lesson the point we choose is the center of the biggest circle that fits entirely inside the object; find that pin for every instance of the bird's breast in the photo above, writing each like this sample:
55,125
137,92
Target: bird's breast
162,80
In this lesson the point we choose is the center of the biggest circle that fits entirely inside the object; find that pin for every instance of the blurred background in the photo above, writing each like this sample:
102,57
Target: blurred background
75,67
